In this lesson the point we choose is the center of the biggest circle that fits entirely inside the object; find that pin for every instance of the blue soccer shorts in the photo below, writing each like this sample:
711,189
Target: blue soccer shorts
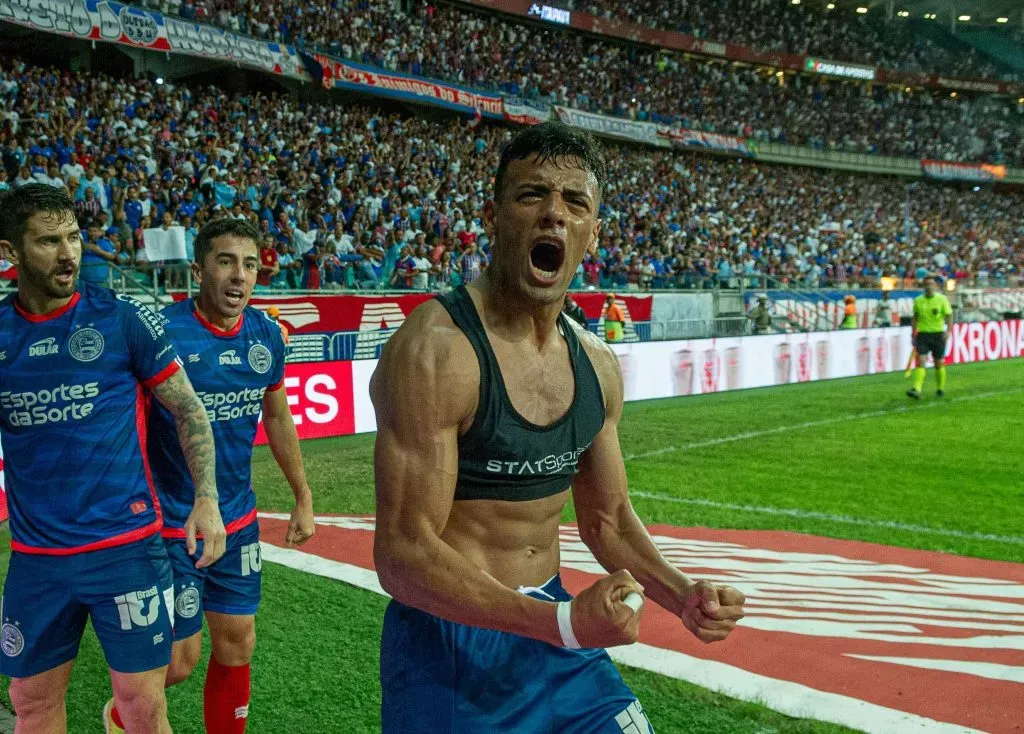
439,677
232,585
126,591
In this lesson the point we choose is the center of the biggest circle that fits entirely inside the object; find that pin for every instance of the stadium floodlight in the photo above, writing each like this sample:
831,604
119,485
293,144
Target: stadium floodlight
1002,20
830,6
963,18
159,80
904,13
796,2
862,10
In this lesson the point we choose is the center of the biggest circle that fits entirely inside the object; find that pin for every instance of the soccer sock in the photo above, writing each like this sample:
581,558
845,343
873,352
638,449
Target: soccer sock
226,698
919,373
940,376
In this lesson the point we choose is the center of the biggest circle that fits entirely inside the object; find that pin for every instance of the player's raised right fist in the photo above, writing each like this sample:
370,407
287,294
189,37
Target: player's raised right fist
600,616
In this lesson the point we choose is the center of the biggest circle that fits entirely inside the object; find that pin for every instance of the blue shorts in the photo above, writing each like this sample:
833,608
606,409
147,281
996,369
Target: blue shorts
126,591
439,677
232,585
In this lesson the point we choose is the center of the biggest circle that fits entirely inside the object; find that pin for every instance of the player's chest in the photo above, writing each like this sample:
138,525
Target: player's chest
216,365
66,348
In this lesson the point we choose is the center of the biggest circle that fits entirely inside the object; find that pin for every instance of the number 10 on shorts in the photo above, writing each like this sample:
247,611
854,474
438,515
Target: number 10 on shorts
251,559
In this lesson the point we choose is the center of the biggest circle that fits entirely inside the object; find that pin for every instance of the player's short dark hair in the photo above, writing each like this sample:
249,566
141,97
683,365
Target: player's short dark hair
19,205
227,226
548,141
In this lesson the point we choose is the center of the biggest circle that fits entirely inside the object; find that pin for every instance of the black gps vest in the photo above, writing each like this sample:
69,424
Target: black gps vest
503,456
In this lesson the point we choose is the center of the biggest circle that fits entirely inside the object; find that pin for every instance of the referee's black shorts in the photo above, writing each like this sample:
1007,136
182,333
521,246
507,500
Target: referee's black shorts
933,343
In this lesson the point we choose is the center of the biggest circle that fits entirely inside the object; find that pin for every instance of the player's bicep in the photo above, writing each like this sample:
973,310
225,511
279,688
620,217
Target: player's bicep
416,452
275,404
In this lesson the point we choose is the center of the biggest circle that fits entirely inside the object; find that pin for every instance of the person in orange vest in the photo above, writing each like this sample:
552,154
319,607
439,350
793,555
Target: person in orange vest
849,313
614,320
275,313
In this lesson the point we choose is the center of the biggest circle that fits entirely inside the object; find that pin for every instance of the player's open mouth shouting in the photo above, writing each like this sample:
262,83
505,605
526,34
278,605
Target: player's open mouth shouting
546,258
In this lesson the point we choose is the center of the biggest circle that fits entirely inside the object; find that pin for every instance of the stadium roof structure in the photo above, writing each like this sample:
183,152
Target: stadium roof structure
982,12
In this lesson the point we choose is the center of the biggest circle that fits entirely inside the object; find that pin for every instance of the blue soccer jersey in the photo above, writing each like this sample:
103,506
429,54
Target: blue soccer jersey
72,418
231,371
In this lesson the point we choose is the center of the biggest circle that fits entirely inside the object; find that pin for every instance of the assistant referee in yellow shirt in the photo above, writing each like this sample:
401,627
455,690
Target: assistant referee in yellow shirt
932,317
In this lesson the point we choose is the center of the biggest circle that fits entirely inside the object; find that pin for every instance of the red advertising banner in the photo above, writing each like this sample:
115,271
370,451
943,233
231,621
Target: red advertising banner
985,341
320,399
319,314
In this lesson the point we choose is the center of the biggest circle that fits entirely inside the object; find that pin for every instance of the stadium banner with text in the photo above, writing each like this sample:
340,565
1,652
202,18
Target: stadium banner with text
953,171
319,398
336,74
376,318
612,127
113,22
526,112
683,138
839,68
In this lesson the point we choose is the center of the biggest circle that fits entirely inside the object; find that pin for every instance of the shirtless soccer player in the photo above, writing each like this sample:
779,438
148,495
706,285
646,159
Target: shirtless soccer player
490,406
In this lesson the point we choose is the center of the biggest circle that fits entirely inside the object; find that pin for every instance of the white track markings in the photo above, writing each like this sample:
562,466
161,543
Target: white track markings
815,424
829,517
792,699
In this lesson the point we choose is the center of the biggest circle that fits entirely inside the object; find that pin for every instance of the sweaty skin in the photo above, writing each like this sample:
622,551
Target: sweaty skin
463,560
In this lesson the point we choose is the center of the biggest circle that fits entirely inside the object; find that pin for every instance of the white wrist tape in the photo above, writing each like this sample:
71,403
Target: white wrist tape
565,626
634,601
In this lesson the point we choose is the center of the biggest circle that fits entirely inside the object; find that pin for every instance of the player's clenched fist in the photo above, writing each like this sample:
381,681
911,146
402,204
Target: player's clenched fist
710,612
600,615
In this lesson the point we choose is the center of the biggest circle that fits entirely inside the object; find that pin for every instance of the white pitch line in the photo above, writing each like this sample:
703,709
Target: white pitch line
843,519
815,424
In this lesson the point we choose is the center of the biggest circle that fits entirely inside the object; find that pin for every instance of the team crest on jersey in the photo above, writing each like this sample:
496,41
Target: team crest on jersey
230,357
260,358
12,642
44,347
186,605
86,345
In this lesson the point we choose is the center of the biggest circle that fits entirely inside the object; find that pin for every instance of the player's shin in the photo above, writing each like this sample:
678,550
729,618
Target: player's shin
940,377
226,697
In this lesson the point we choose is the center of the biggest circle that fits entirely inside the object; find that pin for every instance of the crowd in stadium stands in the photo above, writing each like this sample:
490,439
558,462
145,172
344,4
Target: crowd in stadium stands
352,196
487,51
807,28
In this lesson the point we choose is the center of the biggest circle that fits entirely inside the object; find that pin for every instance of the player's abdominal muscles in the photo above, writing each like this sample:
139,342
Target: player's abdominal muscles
547,256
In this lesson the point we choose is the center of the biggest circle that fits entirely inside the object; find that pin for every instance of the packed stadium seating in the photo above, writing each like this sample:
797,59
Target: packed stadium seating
812,28
488,51
299,169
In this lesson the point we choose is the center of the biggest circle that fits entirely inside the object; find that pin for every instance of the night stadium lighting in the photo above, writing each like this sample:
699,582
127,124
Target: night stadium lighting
963,18
1002,20
796,2
953,95
904,13
830,6
159,80
862,10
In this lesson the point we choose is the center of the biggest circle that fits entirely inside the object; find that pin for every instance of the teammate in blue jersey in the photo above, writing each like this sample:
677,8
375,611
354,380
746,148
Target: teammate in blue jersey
234,356
76,365
491,408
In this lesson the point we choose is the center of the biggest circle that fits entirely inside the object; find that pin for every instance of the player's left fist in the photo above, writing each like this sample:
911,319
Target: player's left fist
301,526
711,612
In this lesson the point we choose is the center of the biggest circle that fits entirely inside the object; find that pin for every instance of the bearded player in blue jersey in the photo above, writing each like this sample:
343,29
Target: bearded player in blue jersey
76,365
234,356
